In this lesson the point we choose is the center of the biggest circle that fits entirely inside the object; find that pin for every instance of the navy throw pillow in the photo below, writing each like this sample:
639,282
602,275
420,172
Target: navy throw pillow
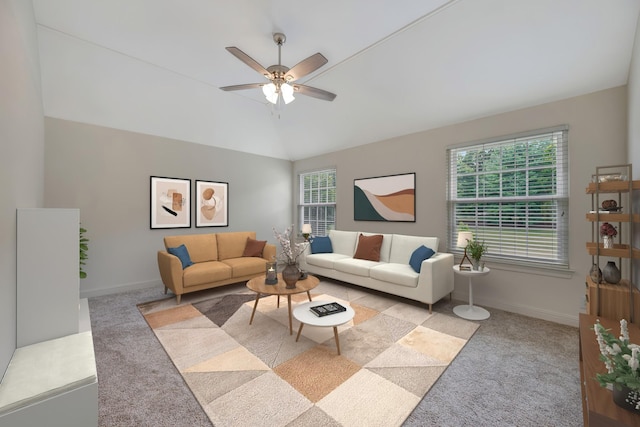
420,255
182,253
321,245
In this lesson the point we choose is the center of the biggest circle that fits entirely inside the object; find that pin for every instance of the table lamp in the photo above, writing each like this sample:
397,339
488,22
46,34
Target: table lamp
464,237
306,231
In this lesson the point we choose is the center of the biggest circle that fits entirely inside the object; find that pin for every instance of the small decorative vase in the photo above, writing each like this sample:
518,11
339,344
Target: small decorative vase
607,242
595,273
475,264
290,274
626,398
611,273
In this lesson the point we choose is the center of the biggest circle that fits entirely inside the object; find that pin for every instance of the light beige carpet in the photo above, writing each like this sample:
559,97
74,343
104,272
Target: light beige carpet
241,374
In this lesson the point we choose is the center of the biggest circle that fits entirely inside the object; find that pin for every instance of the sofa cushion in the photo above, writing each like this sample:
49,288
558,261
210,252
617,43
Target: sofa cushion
254,247
369,247
201,247
398,274
343,242
183,254
420,255
206,272
324,260
231,244
246,266
321,245
359,267
385,249
402,247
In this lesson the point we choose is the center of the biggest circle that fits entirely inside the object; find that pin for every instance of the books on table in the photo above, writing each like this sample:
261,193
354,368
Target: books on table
327,309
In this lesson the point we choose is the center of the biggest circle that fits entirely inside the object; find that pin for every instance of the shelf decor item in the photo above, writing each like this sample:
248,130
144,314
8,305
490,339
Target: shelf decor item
608,232
595,273
622,360
611,273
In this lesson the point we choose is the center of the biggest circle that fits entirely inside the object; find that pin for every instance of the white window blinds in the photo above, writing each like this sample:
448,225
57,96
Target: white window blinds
318,200
512,193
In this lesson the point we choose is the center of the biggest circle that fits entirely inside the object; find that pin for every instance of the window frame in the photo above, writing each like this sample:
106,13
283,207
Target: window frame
514,250
325,207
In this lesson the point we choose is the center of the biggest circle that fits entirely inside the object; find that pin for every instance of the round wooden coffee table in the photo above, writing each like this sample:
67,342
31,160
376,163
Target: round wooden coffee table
258,286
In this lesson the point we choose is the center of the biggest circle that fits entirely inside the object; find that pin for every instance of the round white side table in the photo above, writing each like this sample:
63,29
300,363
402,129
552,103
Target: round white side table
303,314
470,311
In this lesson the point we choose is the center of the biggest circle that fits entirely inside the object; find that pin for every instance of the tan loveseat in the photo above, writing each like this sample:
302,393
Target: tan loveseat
217,260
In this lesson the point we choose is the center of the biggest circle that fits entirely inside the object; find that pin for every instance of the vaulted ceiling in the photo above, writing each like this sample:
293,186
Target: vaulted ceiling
397,67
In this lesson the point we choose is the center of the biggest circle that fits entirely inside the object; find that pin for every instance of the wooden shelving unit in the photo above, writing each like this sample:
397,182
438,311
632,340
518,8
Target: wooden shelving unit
614,301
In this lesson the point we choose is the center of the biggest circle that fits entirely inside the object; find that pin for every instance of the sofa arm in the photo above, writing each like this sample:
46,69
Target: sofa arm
170,272
269,252
436,275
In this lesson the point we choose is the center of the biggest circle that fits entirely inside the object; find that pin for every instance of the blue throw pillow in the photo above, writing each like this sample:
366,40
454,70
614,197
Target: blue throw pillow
321,245
182,253
420,255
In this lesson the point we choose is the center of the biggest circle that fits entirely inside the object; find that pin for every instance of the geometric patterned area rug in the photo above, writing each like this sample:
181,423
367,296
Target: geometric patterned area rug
391,355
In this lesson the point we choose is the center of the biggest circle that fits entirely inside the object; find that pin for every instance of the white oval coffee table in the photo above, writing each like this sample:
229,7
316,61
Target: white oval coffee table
303,314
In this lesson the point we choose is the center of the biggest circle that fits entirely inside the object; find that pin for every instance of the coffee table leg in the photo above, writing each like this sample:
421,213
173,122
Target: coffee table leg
278,306
255,305
309,295
335,334
299,330
290,323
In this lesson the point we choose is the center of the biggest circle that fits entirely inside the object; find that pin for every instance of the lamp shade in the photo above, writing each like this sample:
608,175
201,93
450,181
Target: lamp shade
464,237
287,93
269,91
306,229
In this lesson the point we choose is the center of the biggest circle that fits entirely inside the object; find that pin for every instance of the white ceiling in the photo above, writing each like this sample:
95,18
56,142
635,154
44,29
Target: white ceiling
397,66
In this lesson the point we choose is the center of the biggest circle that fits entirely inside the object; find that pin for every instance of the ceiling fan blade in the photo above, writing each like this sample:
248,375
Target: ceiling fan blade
248,60
242,87
305,67
314,92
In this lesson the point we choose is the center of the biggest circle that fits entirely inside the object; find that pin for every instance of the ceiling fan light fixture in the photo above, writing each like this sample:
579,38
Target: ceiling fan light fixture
287,93
269,91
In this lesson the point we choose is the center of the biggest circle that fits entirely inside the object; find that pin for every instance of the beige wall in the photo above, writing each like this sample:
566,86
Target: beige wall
22,142
597,136
106,174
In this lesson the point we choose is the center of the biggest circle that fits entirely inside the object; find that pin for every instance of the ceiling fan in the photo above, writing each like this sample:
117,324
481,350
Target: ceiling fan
282,77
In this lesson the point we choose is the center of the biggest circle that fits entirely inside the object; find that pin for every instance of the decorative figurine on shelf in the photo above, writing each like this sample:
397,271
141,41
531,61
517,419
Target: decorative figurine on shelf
611,273
596,274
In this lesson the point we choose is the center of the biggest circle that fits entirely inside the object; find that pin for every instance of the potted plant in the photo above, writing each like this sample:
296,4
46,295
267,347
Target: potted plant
622,360
476,249
84,247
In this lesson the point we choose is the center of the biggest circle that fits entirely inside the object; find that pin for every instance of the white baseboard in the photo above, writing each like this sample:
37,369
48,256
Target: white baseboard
90,293
538,313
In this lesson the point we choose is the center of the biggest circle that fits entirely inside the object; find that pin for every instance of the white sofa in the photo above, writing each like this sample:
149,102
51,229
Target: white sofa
392,273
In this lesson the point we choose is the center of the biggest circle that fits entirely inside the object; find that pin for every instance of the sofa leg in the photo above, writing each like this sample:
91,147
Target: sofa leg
430,308
165,290
178,297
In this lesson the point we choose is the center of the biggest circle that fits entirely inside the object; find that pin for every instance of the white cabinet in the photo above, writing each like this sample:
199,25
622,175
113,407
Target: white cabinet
48,294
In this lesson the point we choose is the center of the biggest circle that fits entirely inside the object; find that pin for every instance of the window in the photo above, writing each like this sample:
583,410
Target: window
513,194
318,200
